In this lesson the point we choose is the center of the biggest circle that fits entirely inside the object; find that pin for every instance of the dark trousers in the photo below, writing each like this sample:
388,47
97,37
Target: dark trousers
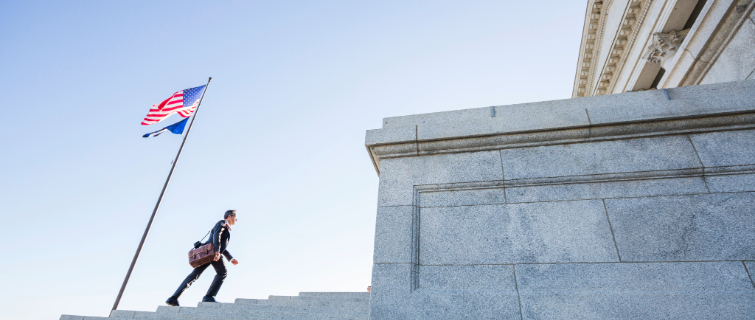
221,271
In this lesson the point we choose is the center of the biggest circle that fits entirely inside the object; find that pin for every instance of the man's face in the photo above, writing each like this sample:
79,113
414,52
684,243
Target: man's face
232,219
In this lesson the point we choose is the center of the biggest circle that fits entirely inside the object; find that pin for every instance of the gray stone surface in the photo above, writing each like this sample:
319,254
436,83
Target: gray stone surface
391,285
682,290
122,314
399,176
737,61
462,197
378,136
750,265
684,102
462,305
393,235
717,276
728,148
391,279
469,277
731,183
685,228
445,292
70,317
569,113
568,231
616,189
648,154
305,306
513,118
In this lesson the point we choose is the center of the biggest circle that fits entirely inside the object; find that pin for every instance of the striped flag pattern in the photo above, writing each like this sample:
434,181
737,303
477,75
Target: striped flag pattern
183,102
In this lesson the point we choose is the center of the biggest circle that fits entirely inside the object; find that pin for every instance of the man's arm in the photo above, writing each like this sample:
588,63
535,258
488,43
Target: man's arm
216,239
227,255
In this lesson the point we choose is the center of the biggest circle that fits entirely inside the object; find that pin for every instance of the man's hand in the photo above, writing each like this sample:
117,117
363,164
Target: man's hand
217,257
234,261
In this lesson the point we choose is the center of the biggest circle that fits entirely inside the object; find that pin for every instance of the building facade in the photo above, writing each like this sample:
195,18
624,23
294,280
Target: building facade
635,45
620,203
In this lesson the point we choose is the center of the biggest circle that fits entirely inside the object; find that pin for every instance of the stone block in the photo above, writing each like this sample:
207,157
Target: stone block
433,305
391,279
209,305
398,176
391,286
684,102
393,235
727,148
648,276
737,61
647,154
459,123
336,295
436,117
512,118
684,228
158,315
168,309
731,183
394,135
468,277
602,190
750,265
682,290
549,232
462,197
122,314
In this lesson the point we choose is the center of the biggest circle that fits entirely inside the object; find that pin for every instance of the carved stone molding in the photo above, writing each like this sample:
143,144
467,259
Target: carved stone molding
664,45
591,39
590,80
631,22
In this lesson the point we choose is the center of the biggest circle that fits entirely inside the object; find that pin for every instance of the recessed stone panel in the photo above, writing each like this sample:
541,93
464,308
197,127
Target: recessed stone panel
728,148
399,176
568,231
731,183
685,228
498,278
462,197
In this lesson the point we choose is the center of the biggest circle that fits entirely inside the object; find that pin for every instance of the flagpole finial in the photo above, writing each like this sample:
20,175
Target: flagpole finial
209,79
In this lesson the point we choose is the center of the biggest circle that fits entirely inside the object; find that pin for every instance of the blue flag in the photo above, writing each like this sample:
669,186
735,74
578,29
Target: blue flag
177,128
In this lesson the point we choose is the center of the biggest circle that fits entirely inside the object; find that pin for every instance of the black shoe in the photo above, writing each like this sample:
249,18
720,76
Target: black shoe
208,299
172,301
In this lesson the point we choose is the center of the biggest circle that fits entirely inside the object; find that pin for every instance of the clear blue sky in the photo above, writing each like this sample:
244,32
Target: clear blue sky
279,137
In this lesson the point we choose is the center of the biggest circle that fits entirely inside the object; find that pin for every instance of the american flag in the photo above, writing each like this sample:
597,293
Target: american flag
183,102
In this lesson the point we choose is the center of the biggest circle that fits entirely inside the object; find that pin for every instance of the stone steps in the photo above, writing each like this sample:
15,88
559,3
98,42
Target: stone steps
305,306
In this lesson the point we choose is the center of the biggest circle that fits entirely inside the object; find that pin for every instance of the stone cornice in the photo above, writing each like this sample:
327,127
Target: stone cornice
683,110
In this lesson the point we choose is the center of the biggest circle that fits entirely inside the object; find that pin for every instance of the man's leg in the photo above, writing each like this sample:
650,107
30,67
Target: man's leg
222,272
193,276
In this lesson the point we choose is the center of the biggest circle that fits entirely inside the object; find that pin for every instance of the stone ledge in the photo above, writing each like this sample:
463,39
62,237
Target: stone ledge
697,109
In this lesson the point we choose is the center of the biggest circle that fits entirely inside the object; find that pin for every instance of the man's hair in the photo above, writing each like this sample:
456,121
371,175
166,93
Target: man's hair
229,213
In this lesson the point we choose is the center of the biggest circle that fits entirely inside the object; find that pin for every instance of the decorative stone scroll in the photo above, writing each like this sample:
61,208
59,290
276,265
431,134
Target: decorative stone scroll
664,45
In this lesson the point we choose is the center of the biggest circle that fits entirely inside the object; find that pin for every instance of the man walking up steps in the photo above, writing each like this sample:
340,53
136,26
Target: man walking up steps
219,237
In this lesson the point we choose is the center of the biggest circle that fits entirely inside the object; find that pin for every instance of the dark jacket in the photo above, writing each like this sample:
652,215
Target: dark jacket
220,237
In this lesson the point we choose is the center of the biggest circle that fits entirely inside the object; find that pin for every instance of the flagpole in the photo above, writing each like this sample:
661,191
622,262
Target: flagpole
159,200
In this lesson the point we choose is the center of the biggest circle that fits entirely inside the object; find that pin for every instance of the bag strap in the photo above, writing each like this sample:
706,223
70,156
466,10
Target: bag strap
205,236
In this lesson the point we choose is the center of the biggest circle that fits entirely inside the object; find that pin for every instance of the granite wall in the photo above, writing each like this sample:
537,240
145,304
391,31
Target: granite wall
629,206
